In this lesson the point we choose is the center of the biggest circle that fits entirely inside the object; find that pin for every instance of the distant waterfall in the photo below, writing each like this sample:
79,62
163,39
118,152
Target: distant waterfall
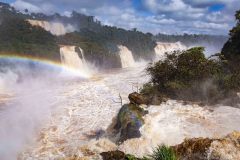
55,28
82,56
126,56
163,47
71,59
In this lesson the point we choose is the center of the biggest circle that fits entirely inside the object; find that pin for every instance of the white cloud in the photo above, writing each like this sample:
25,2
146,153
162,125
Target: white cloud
22,5
43,8
205,25
219,17
166,16
160,20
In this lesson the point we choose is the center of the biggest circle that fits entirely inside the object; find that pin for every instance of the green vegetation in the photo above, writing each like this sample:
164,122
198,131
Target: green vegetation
19,37
163,153
190,76
131,157
231,49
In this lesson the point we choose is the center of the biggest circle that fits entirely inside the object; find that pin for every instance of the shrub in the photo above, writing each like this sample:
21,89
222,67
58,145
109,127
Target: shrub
147,89
189,75
163,153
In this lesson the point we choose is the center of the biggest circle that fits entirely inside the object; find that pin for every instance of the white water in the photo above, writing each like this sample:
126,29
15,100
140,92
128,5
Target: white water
172,122
163,47
71,59
126,57
55,28
83,109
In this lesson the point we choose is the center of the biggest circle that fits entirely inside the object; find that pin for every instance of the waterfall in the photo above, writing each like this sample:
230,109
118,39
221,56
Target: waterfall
163,47
55,28
126,57
71,59
82,56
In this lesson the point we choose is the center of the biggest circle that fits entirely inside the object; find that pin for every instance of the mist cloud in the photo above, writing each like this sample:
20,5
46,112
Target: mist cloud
31,98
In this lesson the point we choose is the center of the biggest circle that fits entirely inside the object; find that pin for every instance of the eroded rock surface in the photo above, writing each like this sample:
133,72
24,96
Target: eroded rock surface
129,120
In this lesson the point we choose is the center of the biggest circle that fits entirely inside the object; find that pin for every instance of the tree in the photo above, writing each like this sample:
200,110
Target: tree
231,49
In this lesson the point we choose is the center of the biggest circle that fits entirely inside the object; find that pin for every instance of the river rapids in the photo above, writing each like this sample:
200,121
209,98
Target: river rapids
59,119
57,116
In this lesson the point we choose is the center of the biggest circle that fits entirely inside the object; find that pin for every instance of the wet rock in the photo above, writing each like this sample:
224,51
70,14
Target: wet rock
129,120
113,155
117,155
193,149
136,98
226,148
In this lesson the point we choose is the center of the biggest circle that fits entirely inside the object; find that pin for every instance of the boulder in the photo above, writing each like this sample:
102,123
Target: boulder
136,98
129,120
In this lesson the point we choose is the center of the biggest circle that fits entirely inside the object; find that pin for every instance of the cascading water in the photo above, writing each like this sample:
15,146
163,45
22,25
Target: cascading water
71,59
126,57
82,56
163,48
55,28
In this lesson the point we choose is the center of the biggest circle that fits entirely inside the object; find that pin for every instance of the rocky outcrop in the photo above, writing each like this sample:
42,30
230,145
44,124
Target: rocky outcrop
136,98
193,149
117,155
129,120
113,155
226,148
148,99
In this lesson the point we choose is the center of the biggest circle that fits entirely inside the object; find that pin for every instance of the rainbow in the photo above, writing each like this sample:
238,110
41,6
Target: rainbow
48,63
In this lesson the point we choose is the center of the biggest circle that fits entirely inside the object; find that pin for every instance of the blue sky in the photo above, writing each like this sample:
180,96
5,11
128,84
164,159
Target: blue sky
165,16
216,7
